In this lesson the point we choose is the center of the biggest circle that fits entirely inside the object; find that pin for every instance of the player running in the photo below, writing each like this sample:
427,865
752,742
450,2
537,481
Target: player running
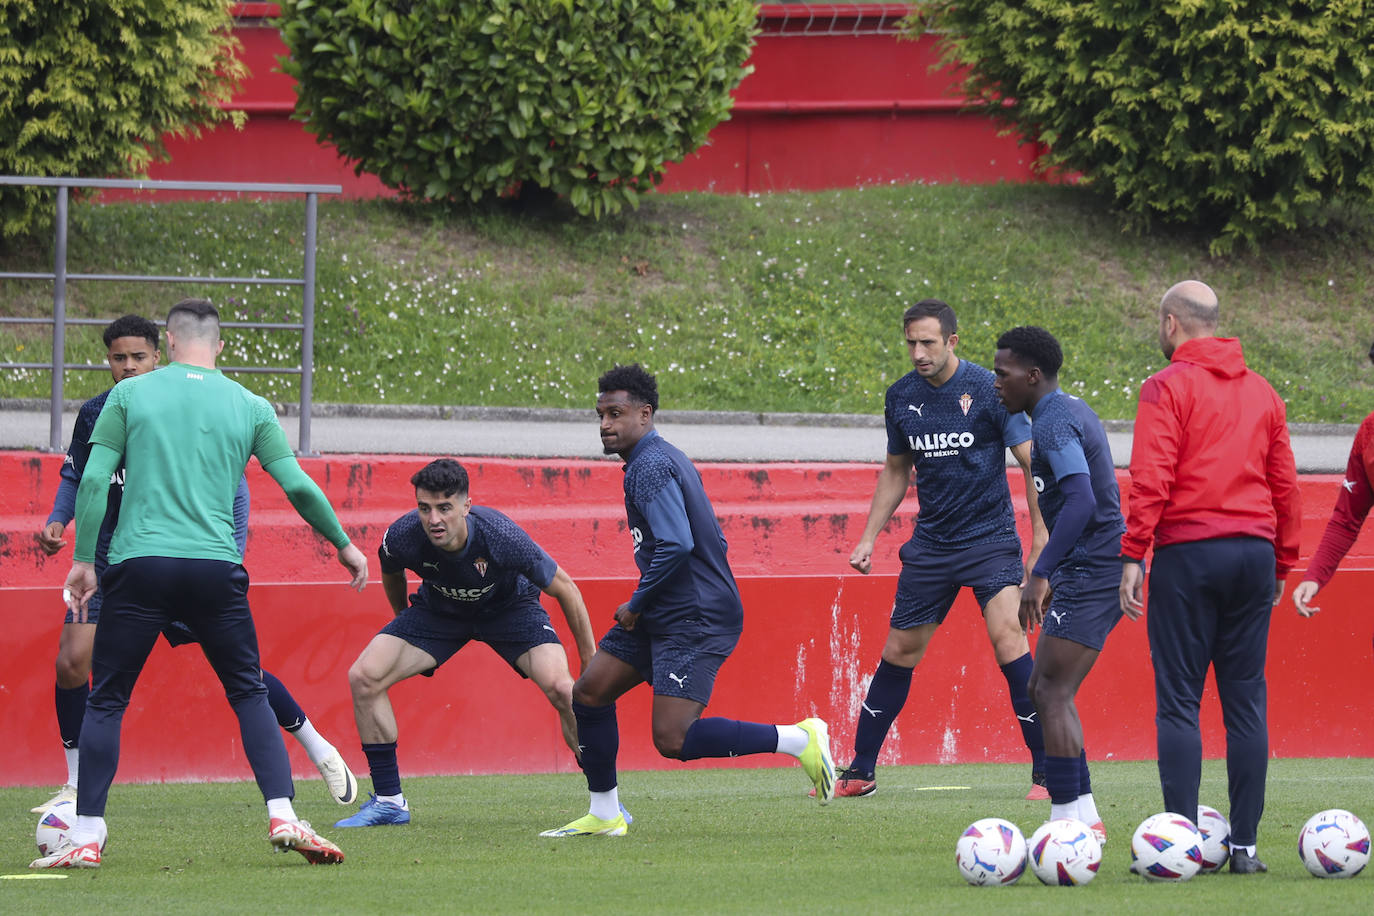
679,626
945,423
480,578
189,432
1071,593
131,346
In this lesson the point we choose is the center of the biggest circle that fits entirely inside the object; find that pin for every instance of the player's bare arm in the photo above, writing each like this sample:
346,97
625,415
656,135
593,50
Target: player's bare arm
569,597
353,560
1040,535
1035,598
1303,595
893,481
395,588
1132,591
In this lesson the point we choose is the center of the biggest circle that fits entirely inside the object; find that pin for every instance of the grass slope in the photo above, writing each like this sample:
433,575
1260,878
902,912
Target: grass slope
786,302
714,841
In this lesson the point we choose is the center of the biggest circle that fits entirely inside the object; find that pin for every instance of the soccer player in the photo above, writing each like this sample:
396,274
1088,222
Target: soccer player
944,422
131,346
189,432
1214,486
480,578
1352,507
680,624
1071,593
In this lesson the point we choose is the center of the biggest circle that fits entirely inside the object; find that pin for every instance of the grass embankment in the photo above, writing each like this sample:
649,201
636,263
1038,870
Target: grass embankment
786,302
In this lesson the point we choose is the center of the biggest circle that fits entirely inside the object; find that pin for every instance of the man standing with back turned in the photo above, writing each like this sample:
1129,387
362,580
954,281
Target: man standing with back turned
1214,485
190,432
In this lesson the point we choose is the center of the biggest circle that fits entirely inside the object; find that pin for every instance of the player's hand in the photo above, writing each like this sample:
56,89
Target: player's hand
1132,591
79,587
1303,595
1279,585
626,617
862,557
353,560
1035,597
50,539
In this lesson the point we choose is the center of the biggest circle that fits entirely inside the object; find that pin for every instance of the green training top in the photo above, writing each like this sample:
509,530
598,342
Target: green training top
186,433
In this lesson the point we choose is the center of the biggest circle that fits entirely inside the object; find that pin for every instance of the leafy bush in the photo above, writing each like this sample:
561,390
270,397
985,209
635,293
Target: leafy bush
89,87
1241,118
453,99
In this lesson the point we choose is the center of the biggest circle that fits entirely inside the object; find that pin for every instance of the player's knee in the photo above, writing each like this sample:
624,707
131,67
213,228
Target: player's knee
362,684
586,693
668,742
560,693
72,671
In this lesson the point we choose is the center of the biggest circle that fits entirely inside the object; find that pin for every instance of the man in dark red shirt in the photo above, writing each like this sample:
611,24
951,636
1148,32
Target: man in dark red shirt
1352,506
1214,486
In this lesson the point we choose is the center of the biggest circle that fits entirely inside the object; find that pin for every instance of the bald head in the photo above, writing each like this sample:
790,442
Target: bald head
1194,304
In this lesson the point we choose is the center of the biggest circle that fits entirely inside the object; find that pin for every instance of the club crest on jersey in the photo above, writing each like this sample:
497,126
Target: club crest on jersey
480,564
965,402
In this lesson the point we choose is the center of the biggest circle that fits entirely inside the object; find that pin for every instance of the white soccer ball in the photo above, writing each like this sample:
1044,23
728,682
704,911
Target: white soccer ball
55,827
991,853
1216,838
1064,851
1166,847
1334,844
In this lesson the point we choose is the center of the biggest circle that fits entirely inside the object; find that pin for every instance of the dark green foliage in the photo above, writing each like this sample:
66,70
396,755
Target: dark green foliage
89,87
473,98
1242,118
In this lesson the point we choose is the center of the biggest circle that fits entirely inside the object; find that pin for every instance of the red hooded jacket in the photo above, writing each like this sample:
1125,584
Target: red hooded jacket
1211,456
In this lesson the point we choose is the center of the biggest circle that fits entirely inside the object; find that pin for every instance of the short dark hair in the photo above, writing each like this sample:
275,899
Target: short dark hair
634,381
131,326
933,308
442,475
194,318
1034,347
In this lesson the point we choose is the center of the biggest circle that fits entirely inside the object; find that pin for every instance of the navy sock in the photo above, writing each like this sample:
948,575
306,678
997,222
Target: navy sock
1085,783
289,714
381,763
717,737
71,709
887,694
1061,778
1018,674
599,734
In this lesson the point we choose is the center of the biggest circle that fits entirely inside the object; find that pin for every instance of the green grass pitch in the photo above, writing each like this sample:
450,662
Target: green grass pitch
704,841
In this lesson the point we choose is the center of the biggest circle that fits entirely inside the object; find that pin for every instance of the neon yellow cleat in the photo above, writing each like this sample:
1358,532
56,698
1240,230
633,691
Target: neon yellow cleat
591,825
816,760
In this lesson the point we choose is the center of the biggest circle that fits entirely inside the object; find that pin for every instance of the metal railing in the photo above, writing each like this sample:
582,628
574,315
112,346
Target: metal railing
805,19
60,277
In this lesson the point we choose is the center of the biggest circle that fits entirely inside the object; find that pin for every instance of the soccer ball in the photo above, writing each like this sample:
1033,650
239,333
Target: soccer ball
55,827
1334,844
1216,838
1166,847
991,852
1064,851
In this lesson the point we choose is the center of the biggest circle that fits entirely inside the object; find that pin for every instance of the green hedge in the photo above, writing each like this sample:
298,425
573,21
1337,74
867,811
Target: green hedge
458,99
1242,118
89,87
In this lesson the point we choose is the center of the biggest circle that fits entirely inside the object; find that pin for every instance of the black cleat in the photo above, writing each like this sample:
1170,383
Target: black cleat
1242,863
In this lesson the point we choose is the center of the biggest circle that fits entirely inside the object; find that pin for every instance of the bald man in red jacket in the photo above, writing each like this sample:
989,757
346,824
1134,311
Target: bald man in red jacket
1215,488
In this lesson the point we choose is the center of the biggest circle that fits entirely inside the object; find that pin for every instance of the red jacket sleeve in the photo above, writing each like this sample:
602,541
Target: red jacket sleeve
1352,507
1154,455
1282,473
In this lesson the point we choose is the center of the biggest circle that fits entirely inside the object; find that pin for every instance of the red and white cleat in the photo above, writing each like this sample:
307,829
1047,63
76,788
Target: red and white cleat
87,856
297,835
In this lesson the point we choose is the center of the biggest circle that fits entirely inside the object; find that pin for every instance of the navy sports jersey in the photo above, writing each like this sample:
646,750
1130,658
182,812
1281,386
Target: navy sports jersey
958,433
678,545
500,566
1069,439
74,465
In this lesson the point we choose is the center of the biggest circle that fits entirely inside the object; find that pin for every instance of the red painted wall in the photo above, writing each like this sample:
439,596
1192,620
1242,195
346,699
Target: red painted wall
813,633
821,110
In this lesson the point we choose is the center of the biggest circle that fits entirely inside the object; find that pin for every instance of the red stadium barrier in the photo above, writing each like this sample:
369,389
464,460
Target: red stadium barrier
835,100
813,633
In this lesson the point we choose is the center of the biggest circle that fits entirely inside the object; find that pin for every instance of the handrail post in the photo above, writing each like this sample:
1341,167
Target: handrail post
59,325
308,325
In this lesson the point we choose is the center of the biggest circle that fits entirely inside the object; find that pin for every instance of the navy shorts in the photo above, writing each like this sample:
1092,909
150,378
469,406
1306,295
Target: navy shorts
683,663
510,634
931,579
1085,604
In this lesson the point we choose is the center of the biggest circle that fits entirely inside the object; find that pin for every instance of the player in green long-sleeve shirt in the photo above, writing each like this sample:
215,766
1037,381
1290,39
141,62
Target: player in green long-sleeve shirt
189,432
